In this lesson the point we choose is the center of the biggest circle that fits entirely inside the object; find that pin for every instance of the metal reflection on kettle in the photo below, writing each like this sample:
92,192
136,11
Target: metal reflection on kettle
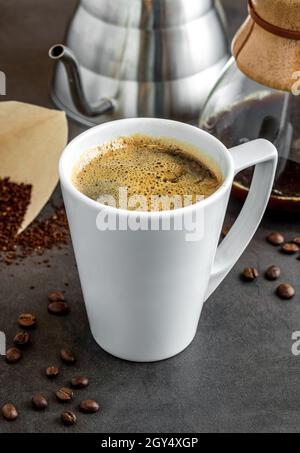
147,58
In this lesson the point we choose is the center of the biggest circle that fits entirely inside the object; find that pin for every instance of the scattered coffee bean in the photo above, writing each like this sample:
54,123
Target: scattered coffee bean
22,339
272,273
296,240
249,274
79,382
39,402
275,238
13,355
67,356
55,296
89,406
52,371
68,418
58,308
289,248
64,394
285,291
27,320
9,412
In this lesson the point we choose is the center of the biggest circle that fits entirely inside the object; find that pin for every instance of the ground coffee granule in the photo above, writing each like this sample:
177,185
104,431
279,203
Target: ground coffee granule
44,234
39,236
14,200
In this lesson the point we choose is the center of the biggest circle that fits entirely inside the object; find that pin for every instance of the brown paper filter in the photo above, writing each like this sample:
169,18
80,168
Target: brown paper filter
31,141
267,46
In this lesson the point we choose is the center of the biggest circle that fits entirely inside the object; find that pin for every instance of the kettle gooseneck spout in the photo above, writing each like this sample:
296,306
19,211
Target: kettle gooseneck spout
67,57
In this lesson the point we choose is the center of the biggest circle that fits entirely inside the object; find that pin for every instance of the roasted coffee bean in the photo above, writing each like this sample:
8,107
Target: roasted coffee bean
9,412
249,274
273,272
289,248
79,382
27,320
296,240
55,296
275,238
52,371
68,418
39,402
22,339
58,308
89,406
64,394
13,355
67,356
285,291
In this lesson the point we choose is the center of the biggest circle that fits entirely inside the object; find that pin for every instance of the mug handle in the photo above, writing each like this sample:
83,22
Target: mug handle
263,155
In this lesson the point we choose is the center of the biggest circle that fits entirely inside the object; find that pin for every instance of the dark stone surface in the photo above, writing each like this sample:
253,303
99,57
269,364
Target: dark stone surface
239,373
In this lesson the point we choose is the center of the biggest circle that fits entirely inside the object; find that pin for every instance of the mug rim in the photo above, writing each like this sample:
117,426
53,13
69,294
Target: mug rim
65,179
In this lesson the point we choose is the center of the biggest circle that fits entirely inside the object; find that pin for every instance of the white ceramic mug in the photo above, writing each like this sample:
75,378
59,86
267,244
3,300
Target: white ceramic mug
144,290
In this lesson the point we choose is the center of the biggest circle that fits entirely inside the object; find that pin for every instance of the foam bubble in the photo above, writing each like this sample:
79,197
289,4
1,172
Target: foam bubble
145,166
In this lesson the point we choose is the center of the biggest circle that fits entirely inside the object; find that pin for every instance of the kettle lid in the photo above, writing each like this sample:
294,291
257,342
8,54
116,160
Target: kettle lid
148,14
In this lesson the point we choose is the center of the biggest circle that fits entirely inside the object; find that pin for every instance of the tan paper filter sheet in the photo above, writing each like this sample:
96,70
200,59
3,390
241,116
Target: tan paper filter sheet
31,141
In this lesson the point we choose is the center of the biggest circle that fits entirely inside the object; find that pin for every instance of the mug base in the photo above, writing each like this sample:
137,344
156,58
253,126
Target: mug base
139,358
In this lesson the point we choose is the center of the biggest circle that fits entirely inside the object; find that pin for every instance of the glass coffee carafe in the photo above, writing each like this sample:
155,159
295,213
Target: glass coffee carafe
251,101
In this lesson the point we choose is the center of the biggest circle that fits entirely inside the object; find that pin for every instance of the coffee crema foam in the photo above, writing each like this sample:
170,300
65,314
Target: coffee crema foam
155,174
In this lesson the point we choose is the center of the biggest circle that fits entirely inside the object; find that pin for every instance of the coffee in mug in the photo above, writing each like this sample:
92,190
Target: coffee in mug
157,173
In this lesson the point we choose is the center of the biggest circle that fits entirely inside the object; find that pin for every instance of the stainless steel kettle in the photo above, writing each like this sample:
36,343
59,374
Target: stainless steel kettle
149,58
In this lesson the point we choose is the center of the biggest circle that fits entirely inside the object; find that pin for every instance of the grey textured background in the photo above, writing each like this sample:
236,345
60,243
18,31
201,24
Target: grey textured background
238,375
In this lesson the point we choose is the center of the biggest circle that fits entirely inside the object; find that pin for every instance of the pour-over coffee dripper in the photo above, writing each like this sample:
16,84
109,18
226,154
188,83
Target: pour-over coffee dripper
257,95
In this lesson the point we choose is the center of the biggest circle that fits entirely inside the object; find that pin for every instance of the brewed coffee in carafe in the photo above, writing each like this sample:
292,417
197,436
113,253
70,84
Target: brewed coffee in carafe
255,96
